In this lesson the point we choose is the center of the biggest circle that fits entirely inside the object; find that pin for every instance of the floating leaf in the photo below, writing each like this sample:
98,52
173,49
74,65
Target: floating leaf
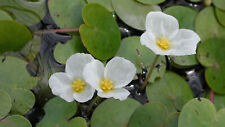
113,113
151,1
15,121
75,122
201,113
23,101
132,12
219,100
220,16
131,47
5,104
195,1
13,36
13,74
66,13
106,3
186,17
57,111
149,115
219,3
172,120
5,16
26,12
171,90
207,26
100,34
63,51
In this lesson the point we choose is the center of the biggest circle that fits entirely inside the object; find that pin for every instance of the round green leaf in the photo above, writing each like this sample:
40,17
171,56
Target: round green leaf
215,78
183,61
13,74
106,3
66,13
100,34
201,113
195,1
5,104
210,53
141,56
171,90
15,121
151,1
75,122
220,16
63,51
219,3
113,113
19,78
132,12
57,111
219,100
24,11
172,120
13,36
23,101
149,115
5,16
207,26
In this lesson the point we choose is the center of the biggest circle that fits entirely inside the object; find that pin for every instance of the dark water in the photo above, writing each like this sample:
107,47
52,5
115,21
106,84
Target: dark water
45,64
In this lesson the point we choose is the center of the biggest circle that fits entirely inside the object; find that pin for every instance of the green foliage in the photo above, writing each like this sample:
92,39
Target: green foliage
26,12
4,15
63,51
113,113
132,12
151,1
13,36
100,34
172,120
57,112
66,13
106,3
5,104
219,3
201,113
171,90
131,47
15,121
220,16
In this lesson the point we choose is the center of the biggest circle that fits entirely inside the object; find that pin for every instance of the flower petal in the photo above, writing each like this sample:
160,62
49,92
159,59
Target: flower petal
93,73
85,95
120,94
75,64
161,25
60,85
120,71
184,43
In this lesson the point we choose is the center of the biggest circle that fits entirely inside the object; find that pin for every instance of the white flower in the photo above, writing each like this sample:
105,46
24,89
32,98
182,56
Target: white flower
110,80
70,85
164,37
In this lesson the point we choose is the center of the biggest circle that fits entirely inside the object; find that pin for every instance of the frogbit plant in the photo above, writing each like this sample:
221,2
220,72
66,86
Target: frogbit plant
84,75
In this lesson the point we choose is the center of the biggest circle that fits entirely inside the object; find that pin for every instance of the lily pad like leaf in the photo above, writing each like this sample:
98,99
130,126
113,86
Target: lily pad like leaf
15,121
220,16
173,93
151,1
5,104
219,3
57,111
106,3
75,122
149,115
132,12
24,11
141,56
4,15
100,34
66,13
13,36
113,113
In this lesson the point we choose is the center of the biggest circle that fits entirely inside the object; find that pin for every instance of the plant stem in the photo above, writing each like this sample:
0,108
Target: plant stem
67,30
211,97
95,100
150,72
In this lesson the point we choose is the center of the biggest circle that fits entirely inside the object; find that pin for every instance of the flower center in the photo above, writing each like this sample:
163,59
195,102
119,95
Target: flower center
106,85
78,85
163,43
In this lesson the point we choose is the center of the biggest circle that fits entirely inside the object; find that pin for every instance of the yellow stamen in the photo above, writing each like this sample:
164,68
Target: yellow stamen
106,85
163,43
78,85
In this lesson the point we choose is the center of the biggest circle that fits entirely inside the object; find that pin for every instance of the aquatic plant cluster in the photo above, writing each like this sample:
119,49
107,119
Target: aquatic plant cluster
112,63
